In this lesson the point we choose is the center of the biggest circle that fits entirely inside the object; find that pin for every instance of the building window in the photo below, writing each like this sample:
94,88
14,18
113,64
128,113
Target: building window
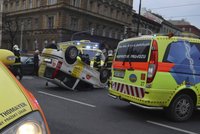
74,23
106,11
11,6
36,23
30,3
37,3
116,34
76,3
117,14
111,12
29,24
89,27
51,2
98,8
6,7
104,31
50,22
24,4
17,5
110,33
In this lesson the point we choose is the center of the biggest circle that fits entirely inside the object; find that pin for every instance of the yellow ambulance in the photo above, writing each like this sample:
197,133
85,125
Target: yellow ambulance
20,112
158,72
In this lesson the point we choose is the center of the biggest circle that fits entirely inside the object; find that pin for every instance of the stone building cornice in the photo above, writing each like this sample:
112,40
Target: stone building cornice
65,6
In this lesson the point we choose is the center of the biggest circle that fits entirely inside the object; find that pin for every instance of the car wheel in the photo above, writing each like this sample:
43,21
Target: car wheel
181,108
104,74
70,54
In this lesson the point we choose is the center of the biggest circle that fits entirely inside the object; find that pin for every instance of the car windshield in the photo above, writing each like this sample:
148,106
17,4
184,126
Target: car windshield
93,53
23,58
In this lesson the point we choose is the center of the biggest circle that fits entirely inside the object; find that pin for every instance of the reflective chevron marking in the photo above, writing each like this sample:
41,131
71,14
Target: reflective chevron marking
127,89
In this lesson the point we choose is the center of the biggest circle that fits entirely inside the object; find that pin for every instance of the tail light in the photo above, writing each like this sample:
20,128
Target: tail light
59,64
153,62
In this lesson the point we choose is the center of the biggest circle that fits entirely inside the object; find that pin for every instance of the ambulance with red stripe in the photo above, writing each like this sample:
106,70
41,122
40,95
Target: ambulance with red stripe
158,72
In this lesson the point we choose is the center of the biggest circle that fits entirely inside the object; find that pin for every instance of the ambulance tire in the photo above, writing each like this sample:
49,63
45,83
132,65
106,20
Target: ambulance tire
71,54
181,108
104,75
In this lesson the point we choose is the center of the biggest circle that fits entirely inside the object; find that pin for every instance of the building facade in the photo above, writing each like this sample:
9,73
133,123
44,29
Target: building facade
1,11
39,22
164,25
186,27
146,27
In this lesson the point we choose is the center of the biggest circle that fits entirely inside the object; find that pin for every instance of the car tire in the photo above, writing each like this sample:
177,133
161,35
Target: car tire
104,75
71,54
181,108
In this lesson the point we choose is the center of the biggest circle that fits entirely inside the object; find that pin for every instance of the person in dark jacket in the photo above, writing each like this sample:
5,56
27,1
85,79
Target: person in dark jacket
16,68
36,62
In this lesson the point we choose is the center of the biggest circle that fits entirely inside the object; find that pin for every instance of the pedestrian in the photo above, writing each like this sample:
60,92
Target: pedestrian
16,68
36,62
104,48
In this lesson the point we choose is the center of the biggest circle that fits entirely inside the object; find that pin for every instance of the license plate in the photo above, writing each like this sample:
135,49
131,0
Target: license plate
119,73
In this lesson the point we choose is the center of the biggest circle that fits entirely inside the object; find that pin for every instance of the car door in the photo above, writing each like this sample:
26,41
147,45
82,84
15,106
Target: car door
28,66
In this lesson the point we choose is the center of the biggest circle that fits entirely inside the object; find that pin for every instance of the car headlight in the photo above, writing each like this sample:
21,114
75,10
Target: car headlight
11,58
48,60
31,124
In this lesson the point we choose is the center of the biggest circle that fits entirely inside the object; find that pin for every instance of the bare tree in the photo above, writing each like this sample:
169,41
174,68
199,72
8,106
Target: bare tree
10,29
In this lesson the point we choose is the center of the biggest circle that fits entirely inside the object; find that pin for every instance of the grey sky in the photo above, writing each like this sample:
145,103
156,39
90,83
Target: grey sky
174,9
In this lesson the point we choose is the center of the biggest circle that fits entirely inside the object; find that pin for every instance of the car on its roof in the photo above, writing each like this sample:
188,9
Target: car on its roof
63,64
20,112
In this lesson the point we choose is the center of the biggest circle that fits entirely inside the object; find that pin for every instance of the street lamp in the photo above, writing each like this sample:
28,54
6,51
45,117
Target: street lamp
146,29
21,37
138,24
87,31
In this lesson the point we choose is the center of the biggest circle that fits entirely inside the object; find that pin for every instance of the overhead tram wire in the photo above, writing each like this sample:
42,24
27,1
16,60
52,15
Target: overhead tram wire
191,15
183,5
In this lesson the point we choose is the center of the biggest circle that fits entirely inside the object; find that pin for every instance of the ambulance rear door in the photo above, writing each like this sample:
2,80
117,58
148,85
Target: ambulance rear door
134,65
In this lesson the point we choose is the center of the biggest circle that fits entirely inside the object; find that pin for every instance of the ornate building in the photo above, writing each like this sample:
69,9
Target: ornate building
39,22
1,10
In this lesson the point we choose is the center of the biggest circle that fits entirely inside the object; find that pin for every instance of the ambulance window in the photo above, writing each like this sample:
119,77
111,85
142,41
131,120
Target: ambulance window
134,51
183,52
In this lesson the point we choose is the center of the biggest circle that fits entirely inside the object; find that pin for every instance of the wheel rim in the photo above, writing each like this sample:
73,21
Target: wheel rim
183,108
72,53
104,74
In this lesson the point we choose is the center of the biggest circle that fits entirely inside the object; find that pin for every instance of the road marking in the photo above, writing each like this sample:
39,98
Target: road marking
28,77
170,127
67,99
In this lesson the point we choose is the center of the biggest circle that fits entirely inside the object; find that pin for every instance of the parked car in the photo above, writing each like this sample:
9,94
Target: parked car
20,112
158,72
65,64
27,64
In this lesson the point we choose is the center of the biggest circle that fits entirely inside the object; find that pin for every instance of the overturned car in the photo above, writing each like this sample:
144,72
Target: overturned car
65,64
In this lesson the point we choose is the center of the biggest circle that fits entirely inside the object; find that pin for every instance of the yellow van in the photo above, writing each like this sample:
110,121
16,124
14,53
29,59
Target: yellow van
158,72
20,112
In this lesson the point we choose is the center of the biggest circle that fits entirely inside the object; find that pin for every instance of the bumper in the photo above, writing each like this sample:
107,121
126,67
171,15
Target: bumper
139,105
152,99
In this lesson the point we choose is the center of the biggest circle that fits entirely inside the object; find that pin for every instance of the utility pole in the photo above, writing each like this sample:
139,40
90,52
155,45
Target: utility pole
138,24
21,37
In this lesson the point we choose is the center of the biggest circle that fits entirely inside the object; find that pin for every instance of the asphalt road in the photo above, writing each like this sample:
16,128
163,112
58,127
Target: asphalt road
92,111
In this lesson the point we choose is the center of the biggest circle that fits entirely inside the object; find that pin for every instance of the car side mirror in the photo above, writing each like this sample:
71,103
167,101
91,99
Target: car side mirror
7,57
